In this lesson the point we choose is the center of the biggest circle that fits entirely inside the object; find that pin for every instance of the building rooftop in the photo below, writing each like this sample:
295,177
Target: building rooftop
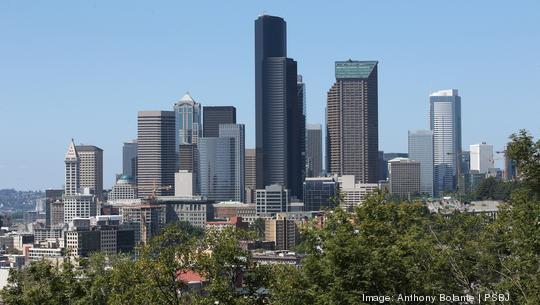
186,99
402,160
71,153
354,69
82,147
447,92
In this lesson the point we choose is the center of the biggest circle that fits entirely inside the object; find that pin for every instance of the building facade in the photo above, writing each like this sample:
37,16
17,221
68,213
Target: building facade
282,231
236,132
445,122
91,169
72,177
145,220
271,200
421,150
156,154
188,120
221,164
124,188
183,184
404,177
352,121
314,157
353,194
79,206
213,116
250,170
129,159
320,193
481,156
278,120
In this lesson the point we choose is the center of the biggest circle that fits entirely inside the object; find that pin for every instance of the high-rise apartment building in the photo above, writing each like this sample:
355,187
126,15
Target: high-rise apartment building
156,156
421,150
404,177
445,122
129,159
213,116
282,231
352,121
279,116
481,157
313,150
91,169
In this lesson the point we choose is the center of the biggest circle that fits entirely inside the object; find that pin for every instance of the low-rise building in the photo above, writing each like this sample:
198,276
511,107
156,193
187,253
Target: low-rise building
277,258
234,222
352,194
271,200
36,253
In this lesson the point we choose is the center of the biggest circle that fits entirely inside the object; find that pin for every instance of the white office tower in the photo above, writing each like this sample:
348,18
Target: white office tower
421,150
76,204
482,157
445,122
72,179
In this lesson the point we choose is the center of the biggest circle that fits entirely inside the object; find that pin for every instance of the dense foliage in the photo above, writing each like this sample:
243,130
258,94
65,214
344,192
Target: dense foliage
380,248
492,188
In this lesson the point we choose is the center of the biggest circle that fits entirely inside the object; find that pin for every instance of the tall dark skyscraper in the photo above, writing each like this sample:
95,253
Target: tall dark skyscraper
278,115
156,161
352,121
215,115
313,150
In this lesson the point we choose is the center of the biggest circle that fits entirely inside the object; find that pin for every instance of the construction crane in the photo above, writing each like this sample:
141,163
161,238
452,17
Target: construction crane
155,188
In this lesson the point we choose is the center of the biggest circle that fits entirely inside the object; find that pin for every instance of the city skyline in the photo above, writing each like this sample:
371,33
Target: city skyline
19,171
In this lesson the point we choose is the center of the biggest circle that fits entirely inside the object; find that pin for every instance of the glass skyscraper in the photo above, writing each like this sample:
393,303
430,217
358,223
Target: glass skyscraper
215,115
445,122
237,168
319,193
278,115
421,150
221,164
188,121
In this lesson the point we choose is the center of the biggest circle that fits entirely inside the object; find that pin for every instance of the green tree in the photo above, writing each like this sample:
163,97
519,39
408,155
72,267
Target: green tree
258,227
41,282
525,152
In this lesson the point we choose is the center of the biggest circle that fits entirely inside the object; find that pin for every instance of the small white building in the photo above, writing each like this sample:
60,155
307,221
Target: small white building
353,193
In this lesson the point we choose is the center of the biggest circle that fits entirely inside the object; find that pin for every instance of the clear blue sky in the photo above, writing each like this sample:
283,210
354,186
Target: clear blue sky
83,69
